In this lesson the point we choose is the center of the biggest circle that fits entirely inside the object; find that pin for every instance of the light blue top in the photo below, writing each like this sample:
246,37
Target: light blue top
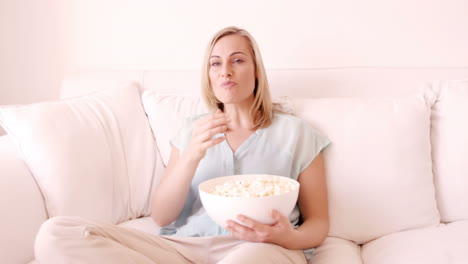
284,148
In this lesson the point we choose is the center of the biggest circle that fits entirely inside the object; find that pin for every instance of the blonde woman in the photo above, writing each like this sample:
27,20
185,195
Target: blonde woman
242,135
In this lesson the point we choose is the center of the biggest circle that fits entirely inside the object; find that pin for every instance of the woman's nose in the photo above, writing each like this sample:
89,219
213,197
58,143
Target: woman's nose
227,71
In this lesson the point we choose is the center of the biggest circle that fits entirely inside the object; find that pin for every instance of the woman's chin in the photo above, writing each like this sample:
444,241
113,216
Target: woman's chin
235,101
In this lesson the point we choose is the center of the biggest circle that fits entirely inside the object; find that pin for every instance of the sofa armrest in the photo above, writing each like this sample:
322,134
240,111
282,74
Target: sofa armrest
22,206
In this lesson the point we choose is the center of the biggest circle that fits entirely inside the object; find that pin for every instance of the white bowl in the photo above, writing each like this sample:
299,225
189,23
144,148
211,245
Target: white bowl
222,208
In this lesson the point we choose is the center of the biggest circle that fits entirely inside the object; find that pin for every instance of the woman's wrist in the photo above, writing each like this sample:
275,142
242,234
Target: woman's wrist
188,159
290,240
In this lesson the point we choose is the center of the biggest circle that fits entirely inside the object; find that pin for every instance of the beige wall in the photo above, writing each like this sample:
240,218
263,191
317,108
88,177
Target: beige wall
148,34
43,40
31,51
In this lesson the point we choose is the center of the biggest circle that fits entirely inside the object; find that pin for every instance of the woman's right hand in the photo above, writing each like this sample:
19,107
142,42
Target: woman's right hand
203,132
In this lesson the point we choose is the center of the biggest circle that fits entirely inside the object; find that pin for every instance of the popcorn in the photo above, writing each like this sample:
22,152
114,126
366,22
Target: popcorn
258,187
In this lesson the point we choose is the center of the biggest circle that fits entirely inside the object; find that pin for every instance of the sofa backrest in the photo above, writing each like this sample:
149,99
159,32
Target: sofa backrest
449,138
380,163
333,82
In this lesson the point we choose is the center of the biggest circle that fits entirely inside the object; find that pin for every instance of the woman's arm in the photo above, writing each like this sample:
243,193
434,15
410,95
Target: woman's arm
170,195
169,198
313,204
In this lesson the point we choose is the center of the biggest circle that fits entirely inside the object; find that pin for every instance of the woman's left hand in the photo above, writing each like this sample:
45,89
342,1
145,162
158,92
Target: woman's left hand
253,231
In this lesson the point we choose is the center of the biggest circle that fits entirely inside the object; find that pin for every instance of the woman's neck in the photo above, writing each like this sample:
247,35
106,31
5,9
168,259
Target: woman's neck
240,117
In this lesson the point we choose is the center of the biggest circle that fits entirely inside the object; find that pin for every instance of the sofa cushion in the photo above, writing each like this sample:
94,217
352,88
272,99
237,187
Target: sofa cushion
22,206
434,245
167,111
449,136
378,165
92,156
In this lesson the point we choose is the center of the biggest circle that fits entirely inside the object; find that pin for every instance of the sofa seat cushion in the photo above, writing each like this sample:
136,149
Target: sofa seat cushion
447,243
337,251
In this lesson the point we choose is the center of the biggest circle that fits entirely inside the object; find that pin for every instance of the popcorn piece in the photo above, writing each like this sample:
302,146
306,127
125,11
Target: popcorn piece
258,187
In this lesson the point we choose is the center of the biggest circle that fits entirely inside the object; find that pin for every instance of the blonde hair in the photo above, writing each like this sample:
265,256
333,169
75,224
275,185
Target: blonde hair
262,108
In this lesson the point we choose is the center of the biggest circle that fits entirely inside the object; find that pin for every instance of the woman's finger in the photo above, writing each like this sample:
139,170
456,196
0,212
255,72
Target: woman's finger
239,231
250,223
205,136
208,144
279,218
213,123
203,133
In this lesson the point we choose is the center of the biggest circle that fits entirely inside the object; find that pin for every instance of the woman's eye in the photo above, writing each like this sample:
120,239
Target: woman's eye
215,63
238,61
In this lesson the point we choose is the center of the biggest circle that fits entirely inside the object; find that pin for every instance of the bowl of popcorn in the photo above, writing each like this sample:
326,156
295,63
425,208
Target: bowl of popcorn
252,195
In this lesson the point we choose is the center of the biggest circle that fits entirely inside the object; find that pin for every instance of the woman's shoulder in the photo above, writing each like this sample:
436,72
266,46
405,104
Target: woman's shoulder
285,121
296,133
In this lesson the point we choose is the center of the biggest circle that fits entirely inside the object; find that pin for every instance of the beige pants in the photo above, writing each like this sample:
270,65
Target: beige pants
65,240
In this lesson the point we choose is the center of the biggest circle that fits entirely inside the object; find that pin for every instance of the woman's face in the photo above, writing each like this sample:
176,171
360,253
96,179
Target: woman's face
232,70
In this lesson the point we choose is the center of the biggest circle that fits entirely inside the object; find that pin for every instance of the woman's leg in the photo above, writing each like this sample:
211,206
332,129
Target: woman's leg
77,240
255,253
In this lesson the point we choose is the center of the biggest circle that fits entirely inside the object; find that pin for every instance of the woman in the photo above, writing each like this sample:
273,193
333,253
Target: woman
243,135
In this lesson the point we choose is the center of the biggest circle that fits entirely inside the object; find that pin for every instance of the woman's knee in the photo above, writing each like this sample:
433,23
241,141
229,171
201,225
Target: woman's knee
54,232
263,253
61,226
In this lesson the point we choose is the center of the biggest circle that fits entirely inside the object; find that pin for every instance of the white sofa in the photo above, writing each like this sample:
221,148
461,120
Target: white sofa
397,169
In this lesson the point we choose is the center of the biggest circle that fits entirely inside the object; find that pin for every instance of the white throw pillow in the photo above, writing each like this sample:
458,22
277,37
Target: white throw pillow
167,111
378,165
450,148
92,156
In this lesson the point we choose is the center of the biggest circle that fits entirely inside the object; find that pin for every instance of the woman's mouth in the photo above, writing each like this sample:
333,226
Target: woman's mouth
228,84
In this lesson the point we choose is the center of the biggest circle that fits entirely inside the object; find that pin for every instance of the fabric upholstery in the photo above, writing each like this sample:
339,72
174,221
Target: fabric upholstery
449,134
92,156
378,165
433,245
